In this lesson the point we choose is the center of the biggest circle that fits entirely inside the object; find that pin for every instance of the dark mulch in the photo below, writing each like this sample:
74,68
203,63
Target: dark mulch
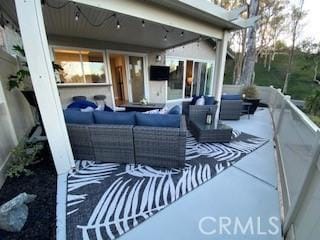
41,223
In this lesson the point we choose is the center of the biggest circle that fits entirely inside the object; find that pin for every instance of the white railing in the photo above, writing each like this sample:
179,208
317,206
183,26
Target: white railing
298,147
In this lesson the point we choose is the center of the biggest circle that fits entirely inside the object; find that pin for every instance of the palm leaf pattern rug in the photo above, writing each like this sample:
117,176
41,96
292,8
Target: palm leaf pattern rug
106,200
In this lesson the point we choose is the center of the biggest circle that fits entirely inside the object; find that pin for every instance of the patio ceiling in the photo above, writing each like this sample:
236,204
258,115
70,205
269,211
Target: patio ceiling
61,23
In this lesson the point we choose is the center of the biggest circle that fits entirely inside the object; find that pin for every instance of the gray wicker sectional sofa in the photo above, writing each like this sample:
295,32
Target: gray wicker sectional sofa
151,139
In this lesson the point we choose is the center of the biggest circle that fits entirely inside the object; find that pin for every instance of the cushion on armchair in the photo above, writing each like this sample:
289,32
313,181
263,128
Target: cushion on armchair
231,97
194,99
158,120
209,100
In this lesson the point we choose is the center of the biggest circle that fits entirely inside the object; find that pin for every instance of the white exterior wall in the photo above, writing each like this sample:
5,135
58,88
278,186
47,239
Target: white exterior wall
67,92
191,51
16,118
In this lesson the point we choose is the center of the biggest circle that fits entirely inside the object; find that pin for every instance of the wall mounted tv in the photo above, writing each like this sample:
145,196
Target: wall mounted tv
159,73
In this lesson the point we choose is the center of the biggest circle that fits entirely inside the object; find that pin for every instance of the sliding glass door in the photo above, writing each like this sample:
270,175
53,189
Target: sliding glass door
202,79
176,76
136,77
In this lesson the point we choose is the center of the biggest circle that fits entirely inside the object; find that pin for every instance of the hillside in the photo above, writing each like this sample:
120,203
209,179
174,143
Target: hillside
300,85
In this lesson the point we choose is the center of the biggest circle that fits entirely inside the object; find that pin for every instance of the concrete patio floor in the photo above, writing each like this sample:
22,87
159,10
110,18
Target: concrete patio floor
243,191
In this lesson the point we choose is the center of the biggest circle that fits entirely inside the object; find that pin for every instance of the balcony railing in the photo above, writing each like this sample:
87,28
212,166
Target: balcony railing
298,148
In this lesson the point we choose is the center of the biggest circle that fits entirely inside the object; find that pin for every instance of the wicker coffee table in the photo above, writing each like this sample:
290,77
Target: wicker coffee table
208,133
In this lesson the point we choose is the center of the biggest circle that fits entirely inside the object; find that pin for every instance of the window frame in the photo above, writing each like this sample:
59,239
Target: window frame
107,80
185,59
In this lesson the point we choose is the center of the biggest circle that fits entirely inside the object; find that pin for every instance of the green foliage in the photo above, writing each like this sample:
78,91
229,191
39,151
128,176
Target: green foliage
312,104
19,50
16,81
250,91
23,155
301,83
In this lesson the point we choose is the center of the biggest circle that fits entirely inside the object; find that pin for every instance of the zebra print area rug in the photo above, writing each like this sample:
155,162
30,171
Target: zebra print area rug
106,200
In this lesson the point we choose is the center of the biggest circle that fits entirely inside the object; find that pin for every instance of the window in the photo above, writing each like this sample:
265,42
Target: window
80,66
188,78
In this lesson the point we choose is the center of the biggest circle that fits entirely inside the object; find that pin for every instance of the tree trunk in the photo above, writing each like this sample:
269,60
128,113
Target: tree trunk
250,57
315,71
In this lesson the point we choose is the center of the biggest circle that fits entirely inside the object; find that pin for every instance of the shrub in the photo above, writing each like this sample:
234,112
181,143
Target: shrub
250,91
23,155
312,103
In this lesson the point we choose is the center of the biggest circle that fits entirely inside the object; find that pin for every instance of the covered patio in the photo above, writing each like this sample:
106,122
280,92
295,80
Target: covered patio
151,28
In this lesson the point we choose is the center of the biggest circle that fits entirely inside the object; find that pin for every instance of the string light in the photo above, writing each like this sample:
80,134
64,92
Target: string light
143,23
118,24
77,14
182,34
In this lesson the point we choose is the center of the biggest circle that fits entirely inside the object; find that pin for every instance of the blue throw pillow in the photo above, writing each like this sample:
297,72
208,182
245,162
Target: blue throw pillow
194,99
174,110
118,118
158,120
208,100
78,117
231,97
107,108
82,104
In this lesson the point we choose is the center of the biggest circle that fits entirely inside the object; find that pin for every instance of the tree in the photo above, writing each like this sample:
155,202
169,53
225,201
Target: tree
297,14
247,76
311,52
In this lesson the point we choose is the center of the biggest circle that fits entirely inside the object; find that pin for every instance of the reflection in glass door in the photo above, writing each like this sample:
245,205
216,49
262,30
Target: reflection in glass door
202,80
136,70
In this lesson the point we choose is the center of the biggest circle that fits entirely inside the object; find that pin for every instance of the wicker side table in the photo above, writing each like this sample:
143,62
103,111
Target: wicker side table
209,133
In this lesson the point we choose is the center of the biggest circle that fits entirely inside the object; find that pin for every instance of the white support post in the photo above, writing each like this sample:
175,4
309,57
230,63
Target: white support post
38,57
221,55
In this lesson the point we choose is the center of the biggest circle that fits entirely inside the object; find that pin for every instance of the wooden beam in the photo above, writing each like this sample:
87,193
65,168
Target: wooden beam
38,57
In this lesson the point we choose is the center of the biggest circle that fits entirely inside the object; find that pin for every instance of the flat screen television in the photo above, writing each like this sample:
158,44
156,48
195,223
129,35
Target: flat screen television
159,73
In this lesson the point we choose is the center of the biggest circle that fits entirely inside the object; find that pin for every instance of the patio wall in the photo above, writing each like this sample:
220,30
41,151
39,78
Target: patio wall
16,118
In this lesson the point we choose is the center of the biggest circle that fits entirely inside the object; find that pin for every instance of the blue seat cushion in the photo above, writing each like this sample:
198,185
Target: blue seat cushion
78,117
208,100
231,97
118,118
174,110
194,99
82,104
158,120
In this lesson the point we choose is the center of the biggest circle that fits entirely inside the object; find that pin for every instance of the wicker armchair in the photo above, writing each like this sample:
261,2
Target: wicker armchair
162,147
230,109
198,112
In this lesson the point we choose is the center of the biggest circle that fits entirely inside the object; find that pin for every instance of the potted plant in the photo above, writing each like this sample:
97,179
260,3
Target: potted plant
250,94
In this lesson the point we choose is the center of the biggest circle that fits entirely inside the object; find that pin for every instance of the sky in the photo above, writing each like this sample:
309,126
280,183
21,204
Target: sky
311,23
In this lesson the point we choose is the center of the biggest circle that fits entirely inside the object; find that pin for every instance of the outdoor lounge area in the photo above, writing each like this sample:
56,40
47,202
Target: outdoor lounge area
141,138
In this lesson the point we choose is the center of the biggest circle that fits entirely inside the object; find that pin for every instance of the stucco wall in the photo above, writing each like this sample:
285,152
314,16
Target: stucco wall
16,118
